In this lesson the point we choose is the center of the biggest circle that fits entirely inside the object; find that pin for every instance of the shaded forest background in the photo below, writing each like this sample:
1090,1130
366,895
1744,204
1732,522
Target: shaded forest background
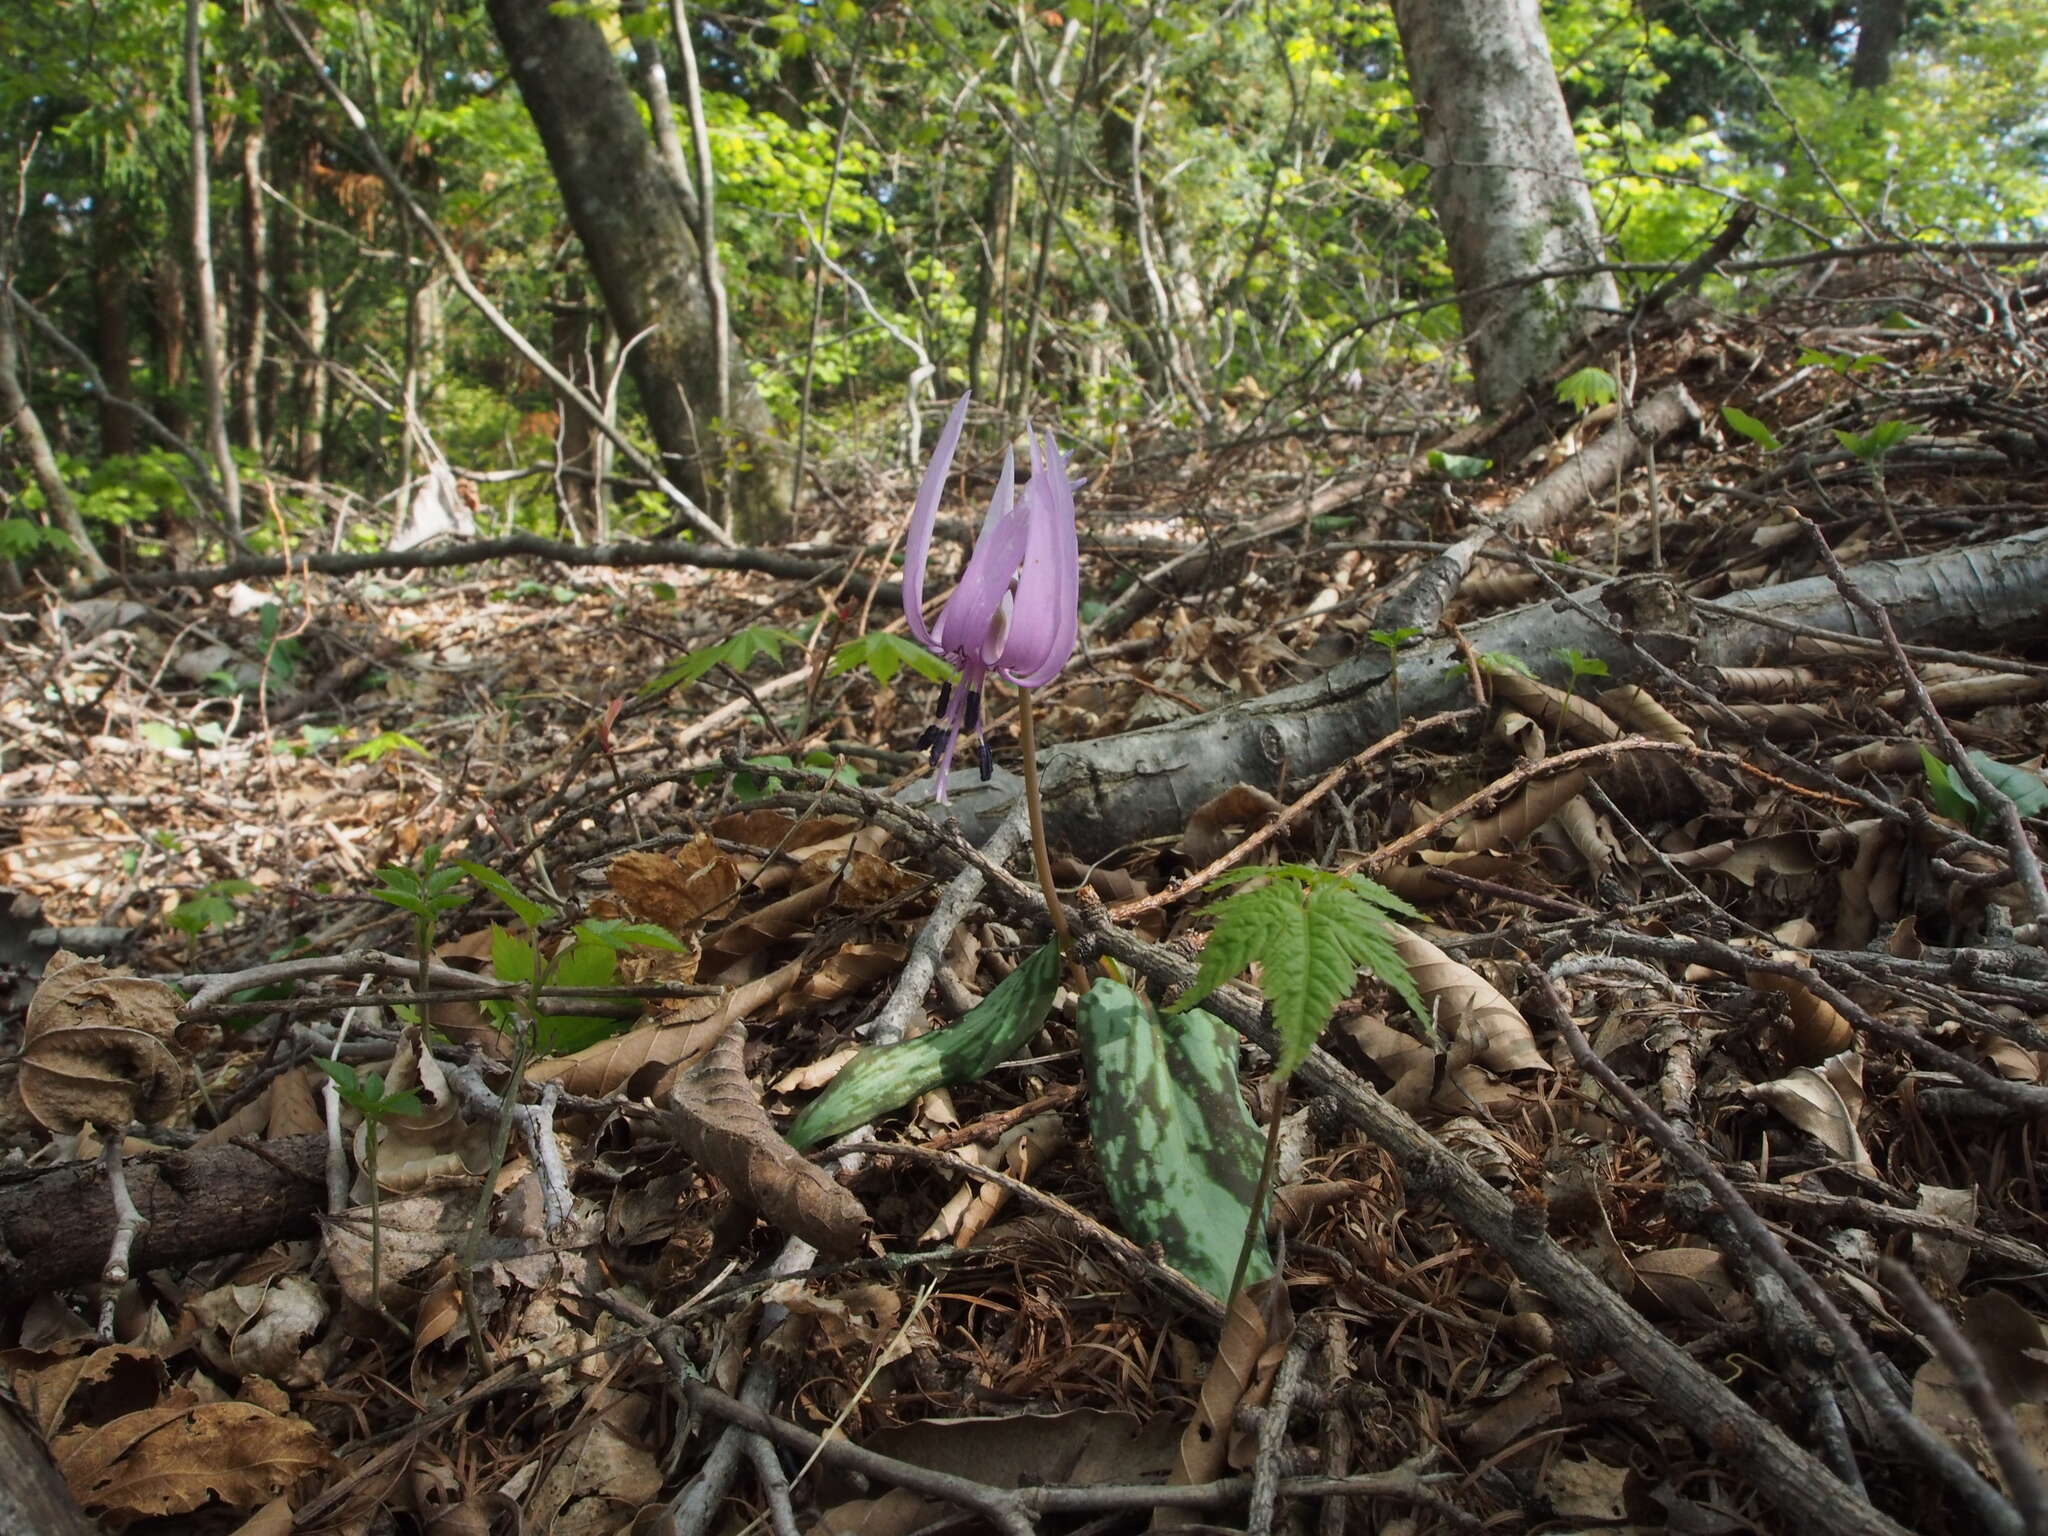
1192,220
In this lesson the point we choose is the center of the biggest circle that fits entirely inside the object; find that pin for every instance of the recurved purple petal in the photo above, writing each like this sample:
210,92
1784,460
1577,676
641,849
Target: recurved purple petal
917,547
963,629
1047,618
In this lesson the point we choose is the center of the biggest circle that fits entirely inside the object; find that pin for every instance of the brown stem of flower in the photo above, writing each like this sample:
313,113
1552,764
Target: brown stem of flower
1040,855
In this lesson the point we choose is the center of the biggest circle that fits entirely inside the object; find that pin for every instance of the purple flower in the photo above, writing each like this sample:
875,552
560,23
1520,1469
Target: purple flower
1016,611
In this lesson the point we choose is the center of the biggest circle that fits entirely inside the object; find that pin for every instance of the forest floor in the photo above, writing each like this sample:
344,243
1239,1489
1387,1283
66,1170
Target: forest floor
1823,967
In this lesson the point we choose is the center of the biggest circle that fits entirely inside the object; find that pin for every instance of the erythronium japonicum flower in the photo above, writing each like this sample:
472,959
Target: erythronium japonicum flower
1016,611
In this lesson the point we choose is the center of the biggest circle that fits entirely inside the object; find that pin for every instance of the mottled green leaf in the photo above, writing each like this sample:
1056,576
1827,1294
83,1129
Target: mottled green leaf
1178,1150
886,1077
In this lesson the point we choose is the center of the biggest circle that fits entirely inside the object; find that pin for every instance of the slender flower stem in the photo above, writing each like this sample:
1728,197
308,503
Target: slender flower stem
1028,730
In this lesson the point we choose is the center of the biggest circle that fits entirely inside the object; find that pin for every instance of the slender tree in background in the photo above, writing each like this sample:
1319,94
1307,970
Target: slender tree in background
212,355
634,230
1506,184
1879,24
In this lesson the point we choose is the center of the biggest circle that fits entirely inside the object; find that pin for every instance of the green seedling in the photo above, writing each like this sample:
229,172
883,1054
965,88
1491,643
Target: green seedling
1581,665
1871,447
364,1093
1751,428
1588,389
1391,641
1311,933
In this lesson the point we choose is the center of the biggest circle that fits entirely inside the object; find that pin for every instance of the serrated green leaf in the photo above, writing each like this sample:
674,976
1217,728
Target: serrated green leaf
1751,428
1179,1152
616,933
511,956
886,1077
885,655
1587,388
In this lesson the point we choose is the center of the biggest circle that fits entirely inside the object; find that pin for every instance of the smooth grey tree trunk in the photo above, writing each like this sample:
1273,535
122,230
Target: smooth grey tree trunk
1506,184
645,259
1146,783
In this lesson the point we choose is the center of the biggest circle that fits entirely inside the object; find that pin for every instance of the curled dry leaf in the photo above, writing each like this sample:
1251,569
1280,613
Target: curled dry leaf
720,1122
1467,1009
1022,1151
601,1478
1532,806
96,1047
1584,1489
1558,712
1825,1102
181,1454
1937,1258
1764,682
1818,1030
851,968
1225,820
678,890
63,1389
433,1148
1637,709
643,1061
263,1329
1248,1356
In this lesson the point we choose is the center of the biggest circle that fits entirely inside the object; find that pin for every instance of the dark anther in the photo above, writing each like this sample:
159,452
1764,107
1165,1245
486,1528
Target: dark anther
945,698
970,721
987,759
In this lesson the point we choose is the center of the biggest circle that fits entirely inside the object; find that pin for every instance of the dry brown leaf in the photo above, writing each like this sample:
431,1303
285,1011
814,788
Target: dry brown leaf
96,1048
182,1454
808,1079
1818,1030
273,1519
638,1060
1534,804
1467,1010
1744,859
677,890
1408,1061
851,968
1764,682
1939,1258
60,1389
1692,1282
1584,1489
600,1479
1248,1356
861,1316
1638,710
1223,821
779,920
720,1122
1825,1102
1559,713
1020,1152
1530,1401
264,1329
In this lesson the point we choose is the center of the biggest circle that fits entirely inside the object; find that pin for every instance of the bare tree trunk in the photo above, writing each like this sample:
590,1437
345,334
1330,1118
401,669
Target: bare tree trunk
313,384
111,340
16,412
255,289
992,267
569,348
212,360
1879,24
1506,184
645,259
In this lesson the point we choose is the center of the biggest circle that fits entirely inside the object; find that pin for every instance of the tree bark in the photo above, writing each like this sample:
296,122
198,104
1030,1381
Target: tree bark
1506,184
1879,24
16,412
111,253
255,290
212,359
56,1224
1146,783
645,259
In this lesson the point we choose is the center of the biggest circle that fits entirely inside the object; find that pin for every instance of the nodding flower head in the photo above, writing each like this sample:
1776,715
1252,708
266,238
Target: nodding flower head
1016,610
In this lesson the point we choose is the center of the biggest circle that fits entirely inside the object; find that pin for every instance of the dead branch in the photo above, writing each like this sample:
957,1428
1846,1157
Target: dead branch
57,1224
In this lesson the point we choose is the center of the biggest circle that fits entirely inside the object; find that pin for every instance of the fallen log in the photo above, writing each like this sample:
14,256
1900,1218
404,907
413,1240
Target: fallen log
56,1224
1146,783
